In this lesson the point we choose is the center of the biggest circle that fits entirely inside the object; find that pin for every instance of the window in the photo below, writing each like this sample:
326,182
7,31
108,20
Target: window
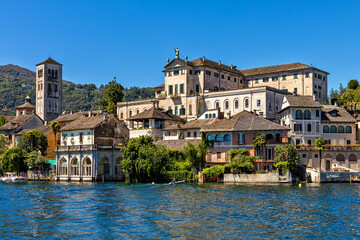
170,74
341,129
324,78
176,89
315,75
278,138
190,109
317,127
304,156
170,89
176,72
298,114
121,115
182,110
295,75
227,105
274,78
316,155
81,137
269,154
207,72
348,142
236,104
325,129
333,129
176,110
218,155
206,116
197,72
295,90
218,138
234,79
256,80
307,74
214,115
222,76
297,127
210,138
307,114
246,103
317,113
241,138
228,77
216,74
40,73
270,104
309,127
75,167
195,134
217,105
266,79
190,72
258,102
348,129
86,167
188,134
63,167
283,77
182,88
197,88
319,76
277,105
227,138
297,141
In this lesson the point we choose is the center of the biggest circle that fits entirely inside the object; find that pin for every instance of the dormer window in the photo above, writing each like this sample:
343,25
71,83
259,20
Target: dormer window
333,114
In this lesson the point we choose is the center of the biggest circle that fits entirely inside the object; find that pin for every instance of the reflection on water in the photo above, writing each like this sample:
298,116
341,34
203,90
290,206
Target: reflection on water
212,211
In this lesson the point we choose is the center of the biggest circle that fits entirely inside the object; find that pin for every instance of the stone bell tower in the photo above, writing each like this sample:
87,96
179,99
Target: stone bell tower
48,89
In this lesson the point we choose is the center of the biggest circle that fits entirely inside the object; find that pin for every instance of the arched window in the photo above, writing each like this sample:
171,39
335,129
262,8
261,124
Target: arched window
236,104
326,129
130,114
348,129
341,129
278,137
214,115
277,105
137,111
63,167
246,103
210,115
270,104
75,167
206,116
340,157
217,105
307,114
298,114
333,129
86,167
226,105
118,167
352,157
218,138
269,137
52,73
227,138
49,73
210,138
56,73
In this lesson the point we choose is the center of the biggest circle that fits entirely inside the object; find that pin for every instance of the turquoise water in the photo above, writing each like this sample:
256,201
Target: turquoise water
159,211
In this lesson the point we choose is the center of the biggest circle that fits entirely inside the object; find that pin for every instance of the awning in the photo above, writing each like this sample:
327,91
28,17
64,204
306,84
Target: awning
52,162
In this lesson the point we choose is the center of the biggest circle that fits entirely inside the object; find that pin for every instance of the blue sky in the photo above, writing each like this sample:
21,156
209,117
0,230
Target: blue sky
97,40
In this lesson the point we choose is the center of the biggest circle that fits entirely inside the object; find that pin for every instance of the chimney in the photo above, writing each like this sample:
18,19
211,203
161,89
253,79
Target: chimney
231,66
90,113
204,59
294,93
228,114
219,62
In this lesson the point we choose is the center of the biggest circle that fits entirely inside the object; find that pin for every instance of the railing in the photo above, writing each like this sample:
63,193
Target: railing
87,148
330,148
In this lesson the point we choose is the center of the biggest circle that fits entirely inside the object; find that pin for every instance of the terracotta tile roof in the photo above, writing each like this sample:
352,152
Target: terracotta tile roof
200,62
8,118
84,123
156,113
26,105
162,86
176,144
340,115
277,68
69,117
299,101
16,122
243,121
46,129
49,60
194,124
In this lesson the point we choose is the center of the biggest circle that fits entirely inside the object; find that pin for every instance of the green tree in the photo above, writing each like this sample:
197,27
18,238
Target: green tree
55,126
3,120
33,140
13,160
353,84
196,154
37,162
259,144
4,144
319,145
114,93
143,161
286,156
240,161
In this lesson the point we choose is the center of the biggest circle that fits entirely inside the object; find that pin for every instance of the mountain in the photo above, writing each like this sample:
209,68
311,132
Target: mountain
16,83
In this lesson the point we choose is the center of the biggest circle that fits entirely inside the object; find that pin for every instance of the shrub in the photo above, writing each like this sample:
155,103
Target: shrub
179,175
213,171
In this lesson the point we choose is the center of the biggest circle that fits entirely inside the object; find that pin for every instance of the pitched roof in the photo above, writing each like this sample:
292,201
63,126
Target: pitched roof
299,101
243,121
16,122
176,144
162,86
156,113
84,123
340,115
74,116
277,68
26,105
199,62
42,128
49,60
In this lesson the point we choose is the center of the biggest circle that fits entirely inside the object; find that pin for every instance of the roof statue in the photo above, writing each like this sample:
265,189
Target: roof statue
168,61
177,52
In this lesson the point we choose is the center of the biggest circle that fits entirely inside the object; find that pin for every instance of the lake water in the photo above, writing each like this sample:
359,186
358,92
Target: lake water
159,211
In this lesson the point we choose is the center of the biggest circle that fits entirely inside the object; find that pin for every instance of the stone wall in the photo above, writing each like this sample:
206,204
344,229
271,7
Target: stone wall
252,178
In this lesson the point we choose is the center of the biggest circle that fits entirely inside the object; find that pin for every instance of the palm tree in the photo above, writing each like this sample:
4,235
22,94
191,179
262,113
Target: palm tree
55,126
319,145
259,143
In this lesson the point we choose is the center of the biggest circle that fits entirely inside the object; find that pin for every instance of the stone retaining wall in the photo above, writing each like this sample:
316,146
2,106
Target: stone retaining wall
252,178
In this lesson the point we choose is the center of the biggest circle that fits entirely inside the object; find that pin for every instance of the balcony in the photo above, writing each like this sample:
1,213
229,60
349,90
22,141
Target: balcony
87,148
340,148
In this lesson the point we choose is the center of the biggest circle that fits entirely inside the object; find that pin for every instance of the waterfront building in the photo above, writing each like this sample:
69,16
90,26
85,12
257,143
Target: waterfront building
238,132
90,149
